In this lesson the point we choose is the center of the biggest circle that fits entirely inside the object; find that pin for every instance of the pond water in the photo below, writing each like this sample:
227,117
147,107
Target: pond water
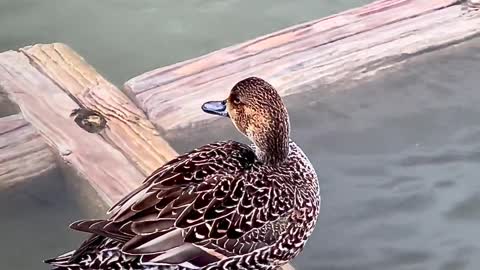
397,156
35,216
123,38
6,106
398,159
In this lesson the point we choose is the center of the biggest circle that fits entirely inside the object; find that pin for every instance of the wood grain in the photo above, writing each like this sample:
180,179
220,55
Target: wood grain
23,152
338,49
128,128
47,108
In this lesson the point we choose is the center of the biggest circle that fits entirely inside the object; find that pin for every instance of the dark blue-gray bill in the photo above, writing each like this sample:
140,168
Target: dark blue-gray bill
216,107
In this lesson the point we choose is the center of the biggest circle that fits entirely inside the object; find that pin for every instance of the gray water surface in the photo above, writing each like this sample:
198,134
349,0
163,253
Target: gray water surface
34,218
398,159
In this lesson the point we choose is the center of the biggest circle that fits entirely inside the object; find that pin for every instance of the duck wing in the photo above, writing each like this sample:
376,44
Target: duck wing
211,203
184,173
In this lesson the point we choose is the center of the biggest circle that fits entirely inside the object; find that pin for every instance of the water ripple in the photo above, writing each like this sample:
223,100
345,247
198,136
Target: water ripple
440,159
468,209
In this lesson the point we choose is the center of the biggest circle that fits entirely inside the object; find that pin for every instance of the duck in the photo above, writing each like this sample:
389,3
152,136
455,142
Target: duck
224,205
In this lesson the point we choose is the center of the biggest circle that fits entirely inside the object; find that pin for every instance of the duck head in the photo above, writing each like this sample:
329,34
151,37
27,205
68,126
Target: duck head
258,112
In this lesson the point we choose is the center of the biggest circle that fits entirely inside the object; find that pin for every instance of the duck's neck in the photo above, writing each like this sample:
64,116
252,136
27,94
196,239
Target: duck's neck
272,155
272,146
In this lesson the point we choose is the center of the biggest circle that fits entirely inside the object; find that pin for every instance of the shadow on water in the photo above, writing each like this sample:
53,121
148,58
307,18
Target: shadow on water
6,106
398,160
35,216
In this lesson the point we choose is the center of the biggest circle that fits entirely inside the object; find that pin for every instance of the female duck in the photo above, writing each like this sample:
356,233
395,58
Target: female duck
224,205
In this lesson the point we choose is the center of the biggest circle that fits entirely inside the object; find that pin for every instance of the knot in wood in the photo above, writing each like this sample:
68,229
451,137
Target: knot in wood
89,120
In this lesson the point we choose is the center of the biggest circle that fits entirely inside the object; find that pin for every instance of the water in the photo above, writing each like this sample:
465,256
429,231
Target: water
6,106
35,217
398,161
123,38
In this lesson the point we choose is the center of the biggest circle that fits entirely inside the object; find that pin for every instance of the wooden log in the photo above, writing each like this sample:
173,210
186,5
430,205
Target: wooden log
128,128
342,48
47,108
23,152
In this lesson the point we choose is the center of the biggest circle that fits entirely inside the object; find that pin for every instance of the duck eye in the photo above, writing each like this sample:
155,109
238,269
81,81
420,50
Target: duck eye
236,100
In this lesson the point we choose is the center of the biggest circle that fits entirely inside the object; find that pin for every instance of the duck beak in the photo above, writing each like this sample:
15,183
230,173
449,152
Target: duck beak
216,107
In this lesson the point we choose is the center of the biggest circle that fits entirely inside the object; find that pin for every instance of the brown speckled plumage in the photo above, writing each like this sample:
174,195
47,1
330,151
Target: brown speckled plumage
258,112
224,205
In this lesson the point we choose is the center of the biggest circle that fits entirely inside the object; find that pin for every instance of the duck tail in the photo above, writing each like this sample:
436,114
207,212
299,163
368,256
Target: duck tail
62,262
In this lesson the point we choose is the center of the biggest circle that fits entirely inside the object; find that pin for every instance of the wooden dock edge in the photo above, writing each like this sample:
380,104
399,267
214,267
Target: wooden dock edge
338,49
23,152
48,82
128,128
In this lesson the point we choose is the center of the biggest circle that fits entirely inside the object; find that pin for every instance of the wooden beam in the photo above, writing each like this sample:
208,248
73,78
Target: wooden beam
128,128
342,48
23,152
47,108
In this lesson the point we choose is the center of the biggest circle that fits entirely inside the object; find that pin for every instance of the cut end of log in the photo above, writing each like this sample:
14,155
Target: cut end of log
23,152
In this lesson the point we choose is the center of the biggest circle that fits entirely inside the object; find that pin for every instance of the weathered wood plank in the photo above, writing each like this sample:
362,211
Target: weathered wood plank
23,152
47,108
341,48
128,128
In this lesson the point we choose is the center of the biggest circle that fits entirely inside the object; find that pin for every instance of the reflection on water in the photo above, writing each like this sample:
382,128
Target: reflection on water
123,38
398,158
35,217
